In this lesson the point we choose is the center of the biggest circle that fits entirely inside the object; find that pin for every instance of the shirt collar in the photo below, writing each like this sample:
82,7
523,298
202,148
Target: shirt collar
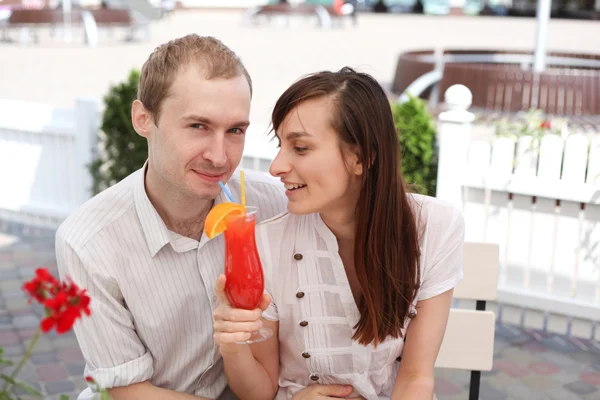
155,230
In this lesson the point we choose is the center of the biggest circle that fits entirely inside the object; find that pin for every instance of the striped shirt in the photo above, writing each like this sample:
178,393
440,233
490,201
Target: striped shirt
152,290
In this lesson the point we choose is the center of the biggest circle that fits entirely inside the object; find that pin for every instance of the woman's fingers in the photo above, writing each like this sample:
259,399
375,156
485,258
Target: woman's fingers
223,338
264,302
232,327
227,313
220,290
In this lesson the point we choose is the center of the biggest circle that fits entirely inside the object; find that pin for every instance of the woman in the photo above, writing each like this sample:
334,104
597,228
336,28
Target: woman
360,272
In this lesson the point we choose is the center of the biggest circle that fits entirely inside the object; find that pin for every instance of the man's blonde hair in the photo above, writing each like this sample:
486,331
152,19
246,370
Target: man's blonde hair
159,71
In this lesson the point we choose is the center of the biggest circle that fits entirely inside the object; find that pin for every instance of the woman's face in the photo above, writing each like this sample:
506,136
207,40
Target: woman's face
320,173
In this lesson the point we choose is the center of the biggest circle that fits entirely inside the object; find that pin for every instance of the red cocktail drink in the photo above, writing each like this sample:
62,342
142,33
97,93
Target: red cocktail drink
243,269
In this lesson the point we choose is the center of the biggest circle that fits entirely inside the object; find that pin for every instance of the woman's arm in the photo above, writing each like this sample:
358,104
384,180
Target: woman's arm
424,337
251,370
145,390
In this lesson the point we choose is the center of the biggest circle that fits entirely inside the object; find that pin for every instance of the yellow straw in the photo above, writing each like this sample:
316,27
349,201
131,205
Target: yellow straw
243,188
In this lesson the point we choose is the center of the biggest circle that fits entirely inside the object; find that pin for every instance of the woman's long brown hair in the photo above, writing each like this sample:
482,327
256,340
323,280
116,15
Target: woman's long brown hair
386,251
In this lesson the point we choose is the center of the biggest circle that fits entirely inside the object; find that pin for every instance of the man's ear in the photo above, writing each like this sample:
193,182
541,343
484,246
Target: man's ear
141,119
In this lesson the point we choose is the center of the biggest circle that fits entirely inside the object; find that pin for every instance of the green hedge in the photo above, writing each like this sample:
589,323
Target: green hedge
123,151
417,135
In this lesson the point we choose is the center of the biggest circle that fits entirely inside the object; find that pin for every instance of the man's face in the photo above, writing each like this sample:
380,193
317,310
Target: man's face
199,138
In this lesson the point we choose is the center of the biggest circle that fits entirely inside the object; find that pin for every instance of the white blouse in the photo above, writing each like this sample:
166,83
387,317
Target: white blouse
313,302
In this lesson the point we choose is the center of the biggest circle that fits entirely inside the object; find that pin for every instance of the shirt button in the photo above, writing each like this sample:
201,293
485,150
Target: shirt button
297,256
303,323
412,314
314,377
306,355
300,295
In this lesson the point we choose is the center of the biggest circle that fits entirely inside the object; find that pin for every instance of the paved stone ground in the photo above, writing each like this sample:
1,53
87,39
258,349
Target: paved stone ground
56,365
528,365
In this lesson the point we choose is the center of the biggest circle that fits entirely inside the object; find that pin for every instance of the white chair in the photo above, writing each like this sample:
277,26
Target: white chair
469,339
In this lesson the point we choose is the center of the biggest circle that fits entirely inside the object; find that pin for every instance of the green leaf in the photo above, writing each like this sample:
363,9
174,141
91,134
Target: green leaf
63,397
8,379
104,395
28,389
7,363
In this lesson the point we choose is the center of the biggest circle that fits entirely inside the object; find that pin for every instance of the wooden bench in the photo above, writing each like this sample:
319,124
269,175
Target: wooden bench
30,21
112,17
286,10
469,339
558,91
45,16
91,20
121,18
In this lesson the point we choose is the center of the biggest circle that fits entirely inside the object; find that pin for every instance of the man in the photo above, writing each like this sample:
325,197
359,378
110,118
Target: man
138,246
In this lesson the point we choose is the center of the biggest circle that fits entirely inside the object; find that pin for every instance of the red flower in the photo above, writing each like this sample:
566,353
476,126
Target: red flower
42,282
90,379
546,124
45,276
35,290
64,301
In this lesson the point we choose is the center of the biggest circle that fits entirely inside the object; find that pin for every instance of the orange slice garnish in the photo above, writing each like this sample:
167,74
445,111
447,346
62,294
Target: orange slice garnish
215,222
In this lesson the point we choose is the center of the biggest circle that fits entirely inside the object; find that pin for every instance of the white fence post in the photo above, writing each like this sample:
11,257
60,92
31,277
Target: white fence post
87,126
454,134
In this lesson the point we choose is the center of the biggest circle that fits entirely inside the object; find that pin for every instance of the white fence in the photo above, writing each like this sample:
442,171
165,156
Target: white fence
44,153
541,203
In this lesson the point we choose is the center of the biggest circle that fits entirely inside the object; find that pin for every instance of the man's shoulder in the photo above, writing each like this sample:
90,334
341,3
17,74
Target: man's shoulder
98,212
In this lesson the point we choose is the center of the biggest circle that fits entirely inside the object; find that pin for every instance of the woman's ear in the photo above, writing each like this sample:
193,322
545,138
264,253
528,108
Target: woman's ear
355,165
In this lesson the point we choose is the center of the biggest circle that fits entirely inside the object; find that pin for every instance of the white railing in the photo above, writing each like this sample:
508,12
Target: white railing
44,153
541,203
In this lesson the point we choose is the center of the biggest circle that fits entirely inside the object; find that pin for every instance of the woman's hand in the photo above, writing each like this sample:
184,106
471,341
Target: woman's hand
323,392
231,324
